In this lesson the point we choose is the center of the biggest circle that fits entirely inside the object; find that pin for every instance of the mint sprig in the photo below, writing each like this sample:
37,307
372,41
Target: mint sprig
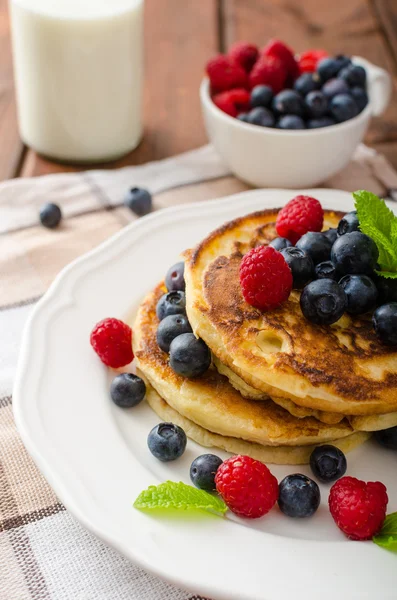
379,223
387,538
179,496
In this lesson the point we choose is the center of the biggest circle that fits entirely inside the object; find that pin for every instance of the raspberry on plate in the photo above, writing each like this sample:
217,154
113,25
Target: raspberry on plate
232,102
308,60
247,486
268,70
358,508
300,215
112,341
265,278
244,54
278,49
225,74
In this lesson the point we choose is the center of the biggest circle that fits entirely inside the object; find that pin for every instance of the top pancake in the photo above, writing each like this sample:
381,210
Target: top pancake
340,368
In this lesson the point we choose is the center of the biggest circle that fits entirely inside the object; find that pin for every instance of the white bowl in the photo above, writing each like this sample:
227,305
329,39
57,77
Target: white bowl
265,157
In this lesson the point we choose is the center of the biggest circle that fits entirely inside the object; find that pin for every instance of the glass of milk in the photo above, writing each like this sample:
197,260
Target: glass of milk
78,73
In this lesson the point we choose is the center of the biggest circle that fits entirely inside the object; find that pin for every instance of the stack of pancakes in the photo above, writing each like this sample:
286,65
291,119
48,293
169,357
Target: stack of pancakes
279,385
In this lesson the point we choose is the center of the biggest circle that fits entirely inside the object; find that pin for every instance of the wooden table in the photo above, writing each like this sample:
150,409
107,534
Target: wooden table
180,37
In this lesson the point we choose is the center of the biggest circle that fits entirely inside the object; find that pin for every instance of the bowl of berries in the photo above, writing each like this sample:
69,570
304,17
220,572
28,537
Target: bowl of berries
281,120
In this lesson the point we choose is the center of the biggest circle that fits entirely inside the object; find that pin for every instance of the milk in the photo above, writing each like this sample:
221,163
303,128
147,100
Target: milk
78,73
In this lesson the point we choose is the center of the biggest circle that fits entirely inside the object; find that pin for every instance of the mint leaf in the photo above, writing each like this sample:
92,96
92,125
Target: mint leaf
387,538
387,274
179,496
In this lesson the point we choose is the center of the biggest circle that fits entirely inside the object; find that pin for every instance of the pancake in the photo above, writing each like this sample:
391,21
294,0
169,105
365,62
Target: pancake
211,402
340,368
279,455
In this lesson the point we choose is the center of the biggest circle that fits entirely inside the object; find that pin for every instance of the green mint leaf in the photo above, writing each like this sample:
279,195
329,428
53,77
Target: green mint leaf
387,274
387,538
179,496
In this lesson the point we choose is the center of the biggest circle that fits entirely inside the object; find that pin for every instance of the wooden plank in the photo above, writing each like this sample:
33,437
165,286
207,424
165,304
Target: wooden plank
179,39
11,146
338,26
386,12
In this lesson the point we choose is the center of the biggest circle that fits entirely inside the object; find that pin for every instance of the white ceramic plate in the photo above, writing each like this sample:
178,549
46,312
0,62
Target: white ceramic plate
95,456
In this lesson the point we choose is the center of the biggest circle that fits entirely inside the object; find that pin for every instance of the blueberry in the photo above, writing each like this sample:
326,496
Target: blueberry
387,289
328,463
354,75
343,107
127,390
139,201
300,264
360,96
280,243
288,102
387,438
306,83
385,323
261,95
203,470
321,122
189,356
316,245
331,234
354,253
348,223
335,86
299,496
175,277
291,122
323,302
167,441
325,270
261,116
361,293
173,303
328,68
169,328
50,215
316,104
244,117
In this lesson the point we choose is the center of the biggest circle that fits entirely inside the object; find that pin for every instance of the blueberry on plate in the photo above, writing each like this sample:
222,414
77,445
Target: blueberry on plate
169,328
316,104
189,356
50,215
360,96
335,86
261,116
387,438
316,245
139,201
288,102
280,243
385,323
328,463
343,107
325,270
307,82
167,441
261,95
301,266
354,253
321,122
354,75
323,302
299,496
172,303
331,234
127,390
291,122
203,470
175,278
244,117
348,223
361,293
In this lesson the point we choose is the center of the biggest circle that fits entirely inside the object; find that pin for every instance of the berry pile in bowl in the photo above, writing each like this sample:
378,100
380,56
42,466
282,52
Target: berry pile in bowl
268,108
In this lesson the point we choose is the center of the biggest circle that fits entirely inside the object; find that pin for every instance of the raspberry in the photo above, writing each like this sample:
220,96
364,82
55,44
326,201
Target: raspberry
358,508
225,75
247,486
300,215
281,51
232,102
243,54
112,341
308,60
268,70
265,278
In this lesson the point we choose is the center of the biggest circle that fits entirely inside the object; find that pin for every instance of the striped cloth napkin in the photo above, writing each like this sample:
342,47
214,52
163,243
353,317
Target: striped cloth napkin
44,552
